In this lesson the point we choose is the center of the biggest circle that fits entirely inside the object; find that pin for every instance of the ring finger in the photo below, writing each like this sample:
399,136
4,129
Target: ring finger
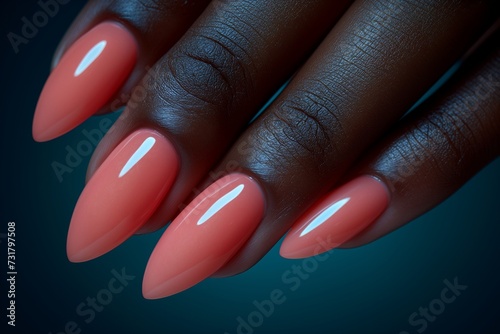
354,87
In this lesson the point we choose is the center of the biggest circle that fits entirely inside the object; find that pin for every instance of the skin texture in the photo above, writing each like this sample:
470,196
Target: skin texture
342,100
214,80
441,146
338,118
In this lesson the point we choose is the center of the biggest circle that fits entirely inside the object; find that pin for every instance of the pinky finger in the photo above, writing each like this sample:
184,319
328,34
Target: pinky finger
430,155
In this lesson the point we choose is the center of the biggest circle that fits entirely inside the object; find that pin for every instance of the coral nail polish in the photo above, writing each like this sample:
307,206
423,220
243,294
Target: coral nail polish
87,76
122,194
337,218
206,234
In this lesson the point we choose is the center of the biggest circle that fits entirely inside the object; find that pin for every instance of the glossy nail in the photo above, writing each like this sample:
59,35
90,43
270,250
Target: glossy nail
207,233
122,194
337,218
87,76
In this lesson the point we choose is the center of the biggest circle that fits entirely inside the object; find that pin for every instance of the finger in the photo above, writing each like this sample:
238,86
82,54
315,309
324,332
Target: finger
159,24
109,47
208,87
334,108
362,78
446,142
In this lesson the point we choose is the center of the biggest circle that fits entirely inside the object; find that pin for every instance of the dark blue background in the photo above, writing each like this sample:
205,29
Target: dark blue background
373,289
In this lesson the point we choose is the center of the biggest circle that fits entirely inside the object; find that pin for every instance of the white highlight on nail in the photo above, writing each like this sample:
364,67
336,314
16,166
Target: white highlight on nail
90,57
323,216
220,203
146,145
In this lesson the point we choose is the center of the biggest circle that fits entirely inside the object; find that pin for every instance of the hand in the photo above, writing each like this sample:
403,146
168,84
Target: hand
356,70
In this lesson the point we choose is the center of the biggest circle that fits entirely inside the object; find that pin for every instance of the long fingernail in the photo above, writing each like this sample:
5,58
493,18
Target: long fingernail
337,218
122,194
88,75
208,232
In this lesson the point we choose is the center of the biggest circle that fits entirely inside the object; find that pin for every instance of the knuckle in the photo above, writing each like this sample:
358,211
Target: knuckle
151,5
428,142
470,117
446,141
306,122
199,74
452,138
134,10
211,68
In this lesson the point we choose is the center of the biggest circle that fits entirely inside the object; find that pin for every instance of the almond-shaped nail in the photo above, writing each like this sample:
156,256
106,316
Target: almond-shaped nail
122,194
337,218
205,235
90,72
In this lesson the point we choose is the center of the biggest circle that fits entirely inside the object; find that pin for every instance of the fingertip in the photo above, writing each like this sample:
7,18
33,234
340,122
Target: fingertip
288,251
122,195
91,71
153,284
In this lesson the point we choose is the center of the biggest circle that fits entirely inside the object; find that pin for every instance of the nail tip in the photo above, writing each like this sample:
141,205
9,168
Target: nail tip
152,292
49,123
221,202
36,132
160,281
289,255
284,250
294,256
82,246
77,253
289,250
65,102
37,138
151,296
77,256
146,294
42,132
73,257
40,137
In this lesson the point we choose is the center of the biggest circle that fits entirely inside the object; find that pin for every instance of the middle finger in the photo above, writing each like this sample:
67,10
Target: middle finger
374,65
208,86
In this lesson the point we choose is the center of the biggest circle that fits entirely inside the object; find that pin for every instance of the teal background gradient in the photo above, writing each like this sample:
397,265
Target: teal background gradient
372,289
